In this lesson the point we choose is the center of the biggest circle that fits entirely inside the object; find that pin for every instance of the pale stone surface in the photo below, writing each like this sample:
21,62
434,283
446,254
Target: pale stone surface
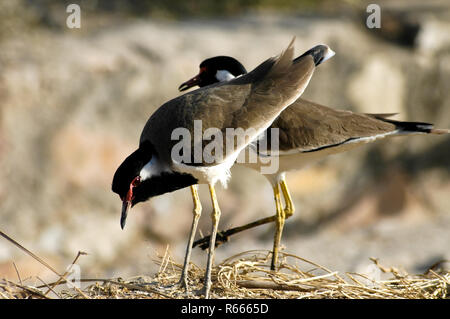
73,106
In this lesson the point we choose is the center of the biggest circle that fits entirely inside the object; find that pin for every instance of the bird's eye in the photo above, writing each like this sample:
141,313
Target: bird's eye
136,181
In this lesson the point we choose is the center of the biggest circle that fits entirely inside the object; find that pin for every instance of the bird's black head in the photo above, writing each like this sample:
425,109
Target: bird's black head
141,176
213,70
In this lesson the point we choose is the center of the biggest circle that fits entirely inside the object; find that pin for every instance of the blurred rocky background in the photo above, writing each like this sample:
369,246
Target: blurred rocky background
74,101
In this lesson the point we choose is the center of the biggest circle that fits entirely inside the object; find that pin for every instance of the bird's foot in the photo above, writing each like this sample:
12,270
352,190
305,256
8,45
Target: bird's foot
203,292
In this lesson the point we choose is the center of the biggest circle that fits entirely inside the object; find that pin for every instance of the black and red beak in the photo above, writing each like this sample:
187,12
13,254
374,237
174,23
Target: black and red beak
196,80
128,200
125,208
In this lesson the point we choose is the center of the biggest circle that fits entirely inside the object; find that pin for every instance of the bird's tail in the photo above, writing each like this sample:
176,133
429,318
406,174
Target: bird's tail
414,127
439,131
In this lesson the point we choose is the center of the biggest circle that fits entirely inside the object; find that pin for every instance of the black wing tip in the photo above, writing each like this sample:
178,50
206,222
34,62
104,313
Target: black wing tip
419,127
320,53
415,127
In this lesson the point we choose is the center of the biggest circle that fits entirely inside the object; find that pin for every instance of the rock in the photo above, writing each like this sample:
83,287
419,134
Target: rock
386,92
73,106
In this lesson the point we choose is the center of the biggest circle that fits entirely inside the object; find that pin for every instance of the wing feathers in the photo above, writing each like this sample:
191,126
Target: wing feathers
253,101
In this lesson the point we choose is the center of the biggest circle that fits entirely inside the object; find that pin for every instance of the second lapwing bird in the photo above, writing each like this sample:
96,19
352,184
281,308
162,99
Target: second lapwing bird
252,101
307,132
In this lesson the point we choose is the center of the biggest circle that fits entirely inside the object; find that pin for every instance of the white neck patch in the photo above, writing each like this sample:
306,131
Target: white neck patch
224,75
153,168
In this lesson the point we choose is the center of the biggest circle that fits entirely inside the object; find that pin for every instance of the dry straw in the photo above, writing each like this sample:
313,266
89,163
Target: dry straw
247,275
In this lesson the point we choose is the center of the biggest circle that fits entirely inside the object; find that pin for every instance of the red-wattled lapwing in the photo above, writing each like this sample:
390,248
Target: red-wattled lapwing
253,100
307,132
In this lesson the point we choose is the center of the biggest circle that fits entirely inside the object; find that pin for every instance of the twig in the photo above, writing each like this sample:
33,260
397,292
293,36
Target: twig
49,288
63,277
250,284
17,272
37,258
110,281
28,252
31,290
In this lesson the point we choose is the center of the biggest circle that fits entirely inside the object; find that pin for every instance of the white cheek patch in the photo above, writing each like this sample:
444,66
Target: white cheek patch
224,75
153,168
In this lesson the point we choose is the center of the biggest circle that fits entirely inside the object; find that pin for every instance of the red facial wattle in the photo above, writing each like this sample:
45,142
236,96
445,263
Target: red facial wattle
136,181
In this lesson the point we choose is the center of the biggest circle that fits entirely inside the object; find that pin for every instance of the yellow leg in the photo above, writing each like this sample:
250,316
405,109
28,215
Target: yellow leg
197,211
279,224
289,209
224,235
215,216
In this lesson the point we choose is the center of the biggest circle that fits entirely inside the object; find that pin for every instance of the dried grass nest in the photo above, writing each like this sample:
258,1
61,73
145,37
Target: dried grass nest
247,275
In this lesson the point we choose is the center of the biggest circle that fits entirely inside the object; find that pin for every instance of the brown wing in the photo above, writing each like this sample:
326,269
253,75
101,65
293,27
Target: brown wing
306,125
208,105
253,101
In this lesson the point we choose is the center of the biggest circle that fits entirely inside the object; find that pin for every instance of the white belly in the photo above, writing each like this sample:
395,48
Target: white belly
290,161
208,174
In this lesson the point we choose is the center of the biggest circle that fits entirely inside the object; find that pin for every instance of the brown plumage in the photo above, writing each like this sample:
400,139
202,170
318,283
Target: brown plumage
253,101
307,132
306,125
